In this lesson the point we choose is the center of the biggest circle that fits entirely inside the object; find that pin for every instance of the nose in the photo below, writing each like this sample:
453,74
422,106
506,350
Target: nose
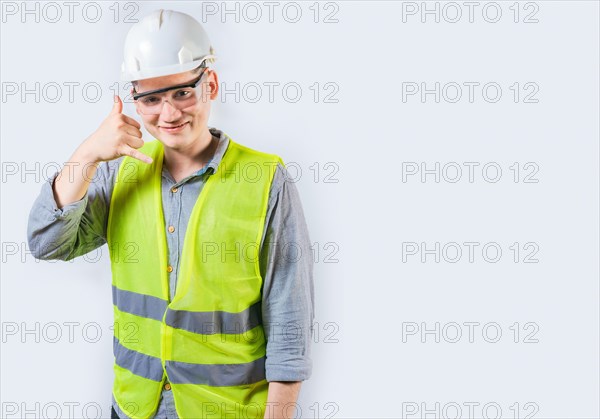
169,113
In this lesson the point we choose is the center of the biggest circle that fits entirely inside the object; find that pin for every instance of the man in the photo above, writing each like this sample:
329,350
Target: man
213,312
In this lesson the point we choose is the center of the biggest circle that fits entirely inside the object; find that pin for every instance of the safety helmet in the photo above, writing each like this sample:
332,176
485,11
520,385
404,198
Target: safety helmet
164,42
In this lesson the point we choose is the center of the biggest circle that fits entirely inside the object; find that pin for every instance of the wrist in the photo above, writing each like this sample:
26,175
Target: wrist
84,155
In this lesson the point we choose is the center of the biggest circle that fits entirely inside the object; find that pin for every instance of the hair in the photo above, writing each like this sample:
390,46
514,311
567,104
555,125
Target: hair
194,71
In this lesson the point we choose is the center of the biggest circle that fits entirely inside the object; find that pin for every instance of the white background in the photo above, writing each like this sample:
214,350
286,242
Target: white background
367,363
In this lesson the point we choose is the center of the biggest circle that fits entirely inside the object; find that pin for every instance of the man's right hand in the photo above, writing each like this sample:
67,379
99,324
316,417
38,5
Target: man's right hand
118,135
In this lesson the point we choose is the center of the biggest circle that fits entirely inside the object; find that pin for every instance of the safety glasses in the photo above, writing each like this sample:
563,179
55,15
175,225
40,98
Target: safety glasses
181,96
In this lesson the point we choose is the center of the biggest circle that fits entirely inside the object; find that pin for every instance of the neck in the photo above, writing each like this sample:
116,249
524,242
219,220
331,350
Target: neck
184,161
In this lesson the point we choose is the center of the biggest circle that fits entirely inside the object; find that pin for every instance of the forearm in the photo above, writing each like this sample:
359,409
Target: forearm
281,399
74,179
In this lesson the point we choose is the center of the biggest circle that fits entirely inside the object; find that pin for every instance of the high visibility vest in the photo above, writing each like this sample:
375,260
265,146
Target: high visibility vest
208,341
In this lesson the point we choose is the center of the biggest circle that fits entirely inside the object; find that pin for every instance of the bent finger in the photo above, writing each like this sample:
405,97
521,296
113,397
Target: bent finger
131,121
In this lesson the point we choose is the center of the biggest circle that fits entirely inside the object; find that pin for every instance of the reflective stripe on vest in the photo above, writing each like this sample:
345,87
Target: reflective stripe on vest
209,340
205,323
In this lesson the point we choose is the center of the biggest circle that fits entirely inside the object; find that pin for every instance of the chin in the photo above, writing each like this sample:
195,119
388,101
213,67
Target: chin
174,140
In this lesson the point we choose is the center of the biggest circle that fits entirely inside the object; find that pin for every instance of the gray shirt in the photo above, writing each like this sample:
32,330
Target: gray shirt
286,259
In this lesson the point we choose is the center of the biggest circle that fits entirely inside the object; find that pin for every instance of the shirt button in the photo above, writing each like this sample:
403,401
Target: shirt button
169,268
171,229
167,386
173,190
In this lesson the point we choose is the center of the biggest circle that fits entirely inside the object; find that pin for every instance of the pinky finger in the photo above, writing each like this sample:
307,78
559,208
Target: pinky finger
132,152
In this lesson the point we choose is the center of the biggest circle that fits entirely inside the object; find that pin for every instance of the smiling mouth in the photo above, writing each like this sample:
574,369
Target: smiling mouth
173,128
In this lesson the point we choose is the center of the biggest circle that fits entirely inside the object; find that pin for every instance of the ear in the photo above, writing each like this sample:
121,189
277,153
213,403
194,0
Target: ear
213,83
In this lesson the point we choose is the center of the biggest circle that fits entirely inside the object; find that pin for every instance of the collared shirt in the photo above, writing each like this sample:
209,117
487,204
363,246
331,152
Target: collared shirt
286,259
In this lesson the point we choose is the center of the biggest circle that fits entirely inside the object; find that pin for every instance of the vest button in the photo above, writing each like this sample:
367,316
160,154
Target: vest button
173,190
171,229
167,386
169,268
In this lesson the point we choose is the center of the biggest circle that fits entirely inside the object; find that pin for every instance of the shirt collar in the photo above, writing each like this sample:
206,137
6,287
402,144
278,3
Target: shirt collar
220,151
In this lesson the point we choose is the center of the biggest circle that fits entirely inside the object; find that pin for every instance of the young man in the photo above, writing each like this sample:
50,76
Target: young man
210,253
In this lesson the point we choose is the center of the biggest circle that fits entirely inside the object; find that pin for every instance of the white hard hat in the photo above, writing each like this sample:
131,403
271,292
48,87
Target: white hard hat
164,42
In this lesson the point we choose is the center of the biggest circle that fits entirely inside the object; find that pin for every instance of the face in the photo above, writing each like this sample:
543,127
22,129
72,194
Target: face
194,119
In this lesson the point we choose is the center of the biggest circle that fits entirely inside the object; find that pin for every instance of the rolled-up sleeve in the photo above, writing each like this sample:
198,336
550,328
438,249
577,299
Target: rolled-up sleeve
75,229
288,291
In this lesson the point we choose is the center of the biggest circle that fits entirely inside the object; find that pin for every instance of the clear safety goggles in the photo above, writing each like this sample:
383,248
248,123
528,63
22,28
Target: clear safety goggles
181,97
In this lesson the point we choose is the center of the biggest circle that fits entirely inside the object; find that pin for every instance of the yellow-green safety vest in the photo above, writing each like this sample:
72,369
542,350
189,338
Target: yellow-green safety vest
209,341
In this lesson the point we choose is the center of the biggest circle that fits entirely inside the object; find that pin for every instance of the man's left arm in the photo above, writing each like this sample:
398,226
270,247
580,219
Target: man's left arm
281,400
286,261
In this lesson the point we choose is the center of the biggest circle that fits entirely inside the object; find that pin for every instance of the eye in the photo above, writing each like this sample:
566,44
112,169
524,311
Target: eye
182,94
149,100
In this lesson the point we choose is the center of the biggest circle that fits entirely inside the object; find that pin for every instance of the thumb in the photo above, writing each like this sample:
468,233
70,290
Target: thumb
118,105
